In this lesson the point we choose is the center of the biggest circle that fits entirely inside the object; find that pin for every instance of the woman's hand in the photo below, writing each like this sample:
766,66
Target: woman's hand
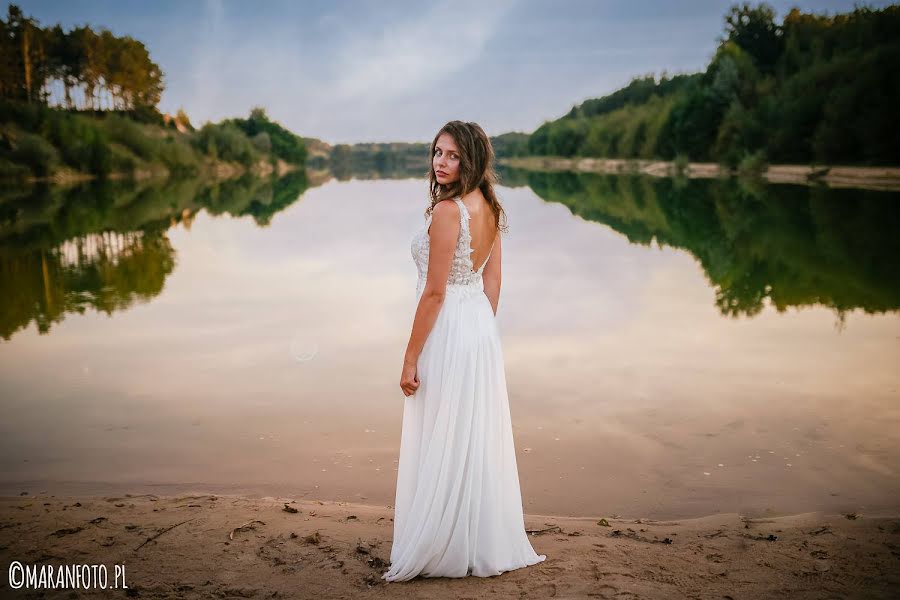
409,379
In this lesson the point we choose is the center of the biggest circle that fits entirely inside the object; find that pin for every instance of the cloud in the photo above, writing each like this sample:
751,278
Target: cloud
409,56
331,72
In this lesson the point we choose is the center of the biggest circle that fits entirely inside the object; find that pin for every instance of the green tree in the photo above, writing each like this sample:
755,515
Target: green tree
753,29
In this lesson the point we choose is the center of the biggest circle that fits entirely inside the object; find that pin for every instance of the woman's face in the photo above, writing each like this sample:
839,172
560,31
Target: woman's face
445,161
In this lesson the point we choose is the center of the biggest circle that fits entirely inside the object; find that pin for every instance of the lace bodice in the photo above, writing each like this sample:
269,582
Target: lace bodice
461,270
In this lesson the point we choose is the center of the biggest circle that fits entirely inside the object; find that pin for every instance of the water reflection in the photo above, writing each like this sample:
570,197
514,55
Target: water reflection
104,246
266,359
378,161
104,271
792,245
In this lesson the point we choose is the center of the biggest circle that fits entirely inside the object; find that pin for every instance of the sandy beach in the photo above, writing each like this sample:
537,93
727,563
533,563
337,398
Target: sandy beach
215,546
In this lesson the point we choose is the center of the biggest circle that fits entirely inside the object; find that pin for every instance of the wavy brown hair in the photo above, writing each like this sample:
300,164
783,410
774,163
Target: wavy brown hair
476,169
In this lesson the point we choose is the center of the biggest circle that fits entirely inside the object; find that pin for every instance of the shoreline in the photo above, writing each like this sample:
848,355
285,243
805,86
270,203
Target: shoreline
619,509
835,176
208,545
212,170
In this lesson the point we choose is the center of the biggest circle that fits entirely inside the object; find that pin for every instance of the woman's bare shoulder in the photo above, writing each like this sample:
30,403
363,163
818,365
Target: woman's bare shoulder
444,210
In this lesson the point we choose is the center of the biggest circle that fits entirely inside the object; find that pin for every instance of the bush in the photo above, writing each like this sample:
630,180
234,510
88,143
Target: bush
262,142
81,142
179,157
36,153
226,142
682,161
121,160
132,136
98,158
283,143
753,163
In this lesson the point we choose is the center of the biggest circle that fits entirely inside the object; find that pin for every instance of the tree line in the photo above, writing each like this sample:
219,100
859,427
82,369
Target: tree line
76,69
812,89
87,101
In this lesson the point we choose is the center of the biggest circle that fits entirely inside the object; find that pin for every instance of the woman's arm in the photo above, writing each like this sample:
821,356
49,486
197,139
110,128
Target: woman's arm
492,275
444,231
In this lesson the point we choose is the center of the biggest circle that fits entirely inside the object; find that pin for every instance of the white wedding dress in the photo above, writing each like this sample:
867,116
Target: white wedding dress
458,508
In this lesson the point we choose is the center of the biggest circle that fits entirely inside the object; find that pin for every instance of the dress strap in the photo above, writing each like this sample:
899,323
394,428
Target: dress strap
464,215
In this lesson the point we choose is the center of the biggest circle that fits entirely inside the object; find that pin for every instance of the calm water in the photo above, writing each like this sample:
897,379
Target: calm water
673,349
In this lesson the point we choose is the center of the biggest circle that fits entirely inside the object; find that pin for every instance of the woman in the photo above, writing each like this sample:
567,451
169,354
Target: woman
458,509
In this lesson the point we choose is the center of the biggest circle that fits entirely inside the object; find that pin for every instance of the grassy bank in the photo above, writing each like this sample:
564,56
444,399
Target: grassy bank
40,143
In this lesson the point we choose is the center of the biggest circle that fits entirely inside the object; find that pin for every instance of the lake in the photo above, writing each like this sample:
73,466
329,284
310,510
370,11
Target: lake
674,348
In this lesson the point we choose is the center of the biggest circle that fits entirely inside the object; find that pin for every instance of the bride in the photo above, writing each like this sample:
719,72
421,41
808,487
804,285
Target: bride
458,508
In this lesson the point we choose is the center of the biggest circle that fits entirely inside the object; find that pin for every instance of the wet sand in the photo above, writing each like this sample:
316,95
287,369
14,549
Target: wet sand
214,546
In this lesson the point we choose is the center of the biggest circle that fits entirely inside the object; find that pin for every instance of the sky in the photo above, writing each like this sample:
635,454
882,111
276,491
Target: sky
390,71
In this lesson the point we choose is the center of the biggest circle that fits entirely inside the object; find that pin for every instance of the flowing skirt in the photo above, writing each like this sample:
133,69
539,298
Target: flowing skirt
458,508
